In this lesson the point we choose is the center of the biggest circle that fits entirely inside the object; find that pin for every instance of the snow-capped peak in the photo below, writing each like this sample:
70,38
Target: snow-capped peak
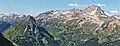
93,12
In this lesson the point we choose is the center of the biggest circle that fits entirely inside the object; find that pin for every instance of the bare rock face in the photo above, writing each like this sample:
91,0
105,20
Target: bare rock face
34,34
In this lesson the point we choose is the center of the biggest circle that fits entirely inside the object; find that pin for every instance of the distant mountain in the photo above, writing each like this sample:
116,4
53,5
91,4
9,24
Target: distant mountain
11,18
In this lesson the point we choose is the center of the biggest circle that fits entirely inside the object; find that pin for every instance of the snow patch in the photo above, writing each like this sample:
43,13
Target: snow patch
108,14
93,12
117,17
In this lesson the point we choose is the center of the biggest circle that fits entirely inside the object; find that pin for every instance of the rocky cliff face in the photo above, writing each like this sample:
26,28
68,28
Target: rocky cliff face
34,32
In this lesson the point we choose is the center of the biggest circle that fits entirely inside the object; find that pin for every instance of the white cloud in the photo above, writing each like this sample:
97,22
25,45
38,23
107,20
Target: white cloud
73,5
114,11
100,5
76,1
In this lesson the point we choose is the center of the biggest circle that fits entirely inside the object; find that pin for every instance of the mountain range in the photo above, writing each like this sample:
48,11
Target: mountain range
73,27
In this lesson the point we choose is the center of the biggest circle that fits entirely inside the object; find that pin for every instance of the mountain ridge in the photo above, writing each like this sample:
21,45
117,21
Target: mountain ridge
72,27
93,14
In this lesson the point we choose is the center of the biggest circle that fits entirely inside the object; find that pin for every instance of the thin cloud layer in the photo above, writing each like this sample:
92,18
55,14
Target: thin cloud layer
114,11
77,5
73,5
100,5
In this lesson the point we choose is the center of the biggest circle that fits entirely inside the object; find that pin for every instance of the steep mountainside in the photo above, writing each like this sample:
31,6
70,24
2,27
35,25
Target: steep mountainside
28,33
73,27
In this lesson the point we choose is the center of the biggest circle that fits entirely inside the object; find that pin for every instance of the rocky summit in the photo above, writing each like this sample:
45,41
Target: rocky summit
73,27
92,16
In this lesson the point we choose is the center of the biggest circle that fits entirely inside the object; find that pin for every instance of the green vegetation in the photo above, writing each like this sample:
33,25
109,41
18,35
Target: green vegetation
74,35
17,30
68,35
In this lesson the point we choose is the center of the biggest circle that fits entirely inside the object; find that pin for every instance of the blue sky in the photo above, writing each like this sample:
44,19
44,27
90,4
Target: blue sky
35,6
